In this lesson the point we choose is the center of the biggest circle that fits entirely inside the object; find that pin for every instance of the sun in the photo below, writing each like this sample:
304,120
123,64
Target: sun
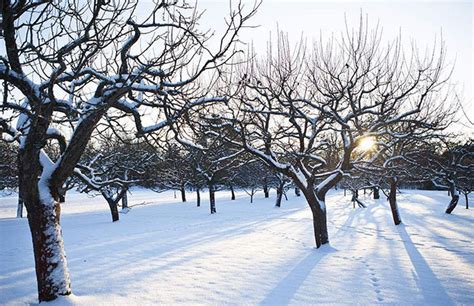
366,144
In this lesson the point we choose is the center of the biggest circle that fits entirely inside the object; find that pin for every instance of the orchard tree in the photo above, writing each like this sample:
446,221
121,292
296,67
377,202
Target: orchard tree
293,101
73,64
449,166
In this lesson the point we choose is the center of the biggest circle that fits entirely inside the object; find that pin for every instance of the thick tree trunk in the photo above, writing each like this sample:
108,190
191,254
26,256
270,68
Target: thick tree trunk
52,274
279,195
183,193
198,197
19,209
318,209
454,198
297,192
376,193
232,192
392,199
212,198
113,209
125,201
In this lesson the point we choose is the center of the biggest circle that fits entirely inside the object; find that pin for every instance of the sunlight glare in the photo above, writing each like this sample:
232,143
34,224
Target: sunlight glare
366,144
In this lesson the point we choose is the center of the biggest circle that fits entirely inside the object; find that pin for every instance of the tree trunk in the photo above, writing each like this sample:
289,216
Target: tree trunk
344,191
265,189
297,192
113,209
454,198
125,201
251,196
232,192
466,196
52,274
19,210
376,193
392,199
183,193
198,197
212,198
279,195
318,209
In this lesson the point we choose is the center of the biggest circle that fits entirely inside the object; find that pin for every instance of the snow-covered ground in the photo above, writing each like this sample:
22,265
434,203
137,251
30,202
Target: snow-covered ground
169,252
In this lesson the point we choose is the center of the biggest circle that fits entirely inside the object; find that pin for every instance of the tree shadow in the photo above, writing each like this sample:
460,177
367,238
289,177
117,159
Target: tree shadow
284,291
429,285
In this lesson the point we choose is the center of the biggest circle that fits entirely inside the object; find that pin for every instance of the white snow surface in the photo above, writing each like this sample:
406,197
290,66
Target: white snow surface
167,252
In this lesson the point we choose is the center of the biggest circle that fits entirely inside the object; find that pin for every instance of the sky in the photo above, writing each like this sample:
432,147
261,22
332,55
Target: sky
420,21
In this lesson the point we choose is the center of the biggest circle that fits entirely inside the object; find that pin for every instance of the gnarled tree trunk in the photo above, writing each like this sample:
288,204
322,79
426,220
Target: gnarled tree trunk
52,274
113,209
318,209
392,199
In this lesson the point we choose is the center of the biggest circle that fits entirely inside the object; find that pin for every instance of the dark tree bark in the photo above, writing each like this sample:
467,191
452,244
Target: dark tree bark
279,195
266,191
212,198
183,193
198,197
466,196
113,209
319,221
318,209
355,199
454,198
376,193
125,201
392,199
344,191
232,192
19,210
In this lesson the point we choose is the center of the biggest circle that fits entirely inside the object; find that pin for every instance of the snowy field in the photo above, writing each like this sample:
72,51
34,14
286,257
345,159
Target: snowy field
169,252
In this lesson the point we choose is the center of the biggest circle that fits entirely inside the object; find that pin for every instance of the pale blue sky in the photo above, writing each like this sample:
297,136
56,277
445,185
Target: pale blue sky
421,21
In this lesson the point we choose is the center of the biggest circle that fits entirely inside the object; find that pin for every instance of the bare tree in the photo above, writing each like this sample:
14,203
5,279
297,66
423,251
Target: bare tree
351,88
448,166
77,63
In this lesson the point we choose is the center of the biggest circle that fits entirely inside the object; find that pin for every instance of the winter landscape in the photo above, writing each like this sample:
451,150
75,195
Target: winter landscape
239,152
164,251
